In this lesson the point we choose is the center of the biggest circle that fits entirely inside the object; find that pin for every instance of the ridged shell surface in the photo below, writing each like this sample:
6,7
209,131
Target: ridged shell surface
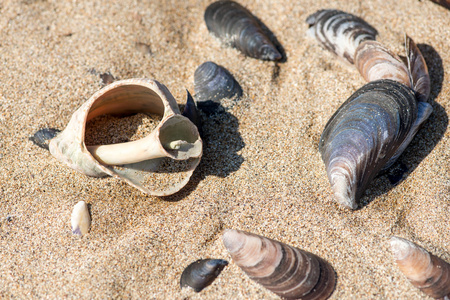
289,272
374,61
214,82
425,271
365,135
339,32
237,27
201,273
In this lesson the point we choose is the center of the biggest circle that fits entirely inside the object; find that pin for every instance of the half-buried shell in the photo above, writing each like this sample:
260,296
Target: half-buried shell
289,272
425,271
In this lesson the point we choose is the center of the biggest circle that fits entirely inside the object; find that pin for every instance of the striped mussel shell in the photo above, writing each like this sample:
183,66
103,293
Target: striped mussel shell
237,27
214,82
425,271
201,273
374,61
289,272
366,135
339,32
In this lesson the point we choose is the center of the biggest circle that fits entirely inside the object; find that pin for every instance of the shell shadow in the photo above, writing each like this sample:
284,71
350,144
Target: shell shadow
221,144
425,140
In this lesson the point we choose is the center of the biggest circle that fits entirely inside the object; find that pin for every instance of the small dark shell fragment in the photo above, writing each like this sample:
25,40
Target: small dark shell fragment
239,28
214,82
190,110
43,136
340,32
201,273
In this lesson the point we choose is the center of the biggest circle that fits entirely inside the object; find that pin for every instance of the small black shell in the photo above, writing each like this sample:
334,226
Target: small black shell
42,137
201,273
214,82
239,28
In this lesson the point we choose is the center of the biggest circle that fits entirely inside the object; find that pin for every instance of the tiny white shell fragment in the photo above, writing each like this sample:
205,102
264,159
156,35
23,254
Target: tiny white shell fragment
80,220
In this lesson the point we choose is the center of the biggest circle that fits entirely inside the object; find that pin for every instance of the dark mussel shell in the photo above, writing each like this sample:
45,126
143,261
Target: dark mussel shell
43,136
289,272
201,273
340,32
365,135
214,82
239,28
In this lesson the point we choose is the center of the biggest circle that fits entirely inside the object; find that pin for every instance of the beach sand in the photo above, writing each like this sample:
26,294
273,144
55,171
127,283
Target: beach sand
261,170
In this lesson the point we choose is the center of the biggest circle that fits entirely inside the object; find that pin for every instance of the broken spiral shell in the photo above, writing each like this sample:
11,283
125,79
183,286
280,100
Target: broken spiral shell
425,271
289,272
139,163
235,26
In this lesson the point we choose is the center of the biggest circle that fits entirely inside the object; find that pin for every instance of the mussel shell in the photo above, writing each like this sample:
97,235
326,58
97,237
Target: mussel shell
214,82
424,270
239,28
201,273
289,272
340,32
364,134
374,61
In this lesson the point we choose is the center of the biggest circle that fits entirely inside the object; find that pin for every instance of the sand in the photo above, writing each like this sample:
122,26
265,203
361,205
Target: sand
261,170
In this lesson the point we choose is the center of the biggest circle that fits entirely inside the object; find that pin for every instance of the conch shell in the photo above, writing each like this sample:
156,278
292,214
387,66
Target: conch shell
175,139
289,272
425,271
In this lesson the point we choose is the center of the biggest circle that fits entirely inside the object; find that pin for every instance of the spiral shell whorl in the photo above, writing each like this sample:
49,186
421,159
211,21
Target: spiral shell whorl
340,32
425,271
287,271
363,136
213,82
238,28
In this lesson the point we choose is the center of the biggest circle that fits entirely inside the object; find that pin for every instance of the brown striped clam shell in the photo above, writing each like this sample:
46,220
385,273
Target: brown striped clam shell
289,272
425,271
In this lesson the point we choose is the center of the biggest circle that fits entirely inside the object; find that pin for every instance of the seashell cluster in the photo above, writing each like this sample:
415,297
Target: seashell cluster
289,272
214,82
374,126
424,270
339,32
176,138
201,273
235,26
80,219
